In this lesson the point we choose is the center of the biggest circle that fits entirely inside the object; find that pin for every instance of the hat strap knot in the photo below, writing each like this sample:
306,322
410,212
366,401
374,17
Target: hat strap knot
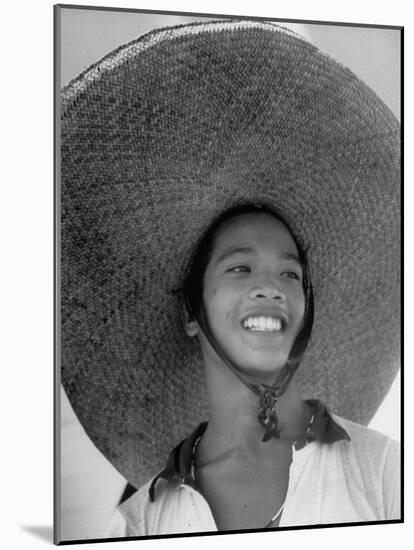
267,415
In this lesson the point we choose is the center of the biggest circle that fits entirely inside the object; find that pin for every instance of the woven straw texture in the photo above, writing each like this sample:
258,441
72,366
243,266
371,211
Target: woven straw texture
157,139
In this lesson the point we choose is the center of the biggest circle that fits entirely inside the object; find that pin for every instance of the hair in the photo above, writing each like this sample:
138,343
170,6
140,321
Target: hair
192,289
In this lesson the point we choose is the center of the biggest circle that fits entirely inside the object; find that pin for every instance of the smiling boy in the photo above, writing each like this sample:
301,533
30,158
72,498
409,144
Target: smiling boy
253,295
255,304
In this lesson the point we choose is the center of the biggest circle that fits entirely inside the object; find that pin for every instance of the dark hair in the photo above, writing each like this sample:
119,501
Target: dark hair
192,290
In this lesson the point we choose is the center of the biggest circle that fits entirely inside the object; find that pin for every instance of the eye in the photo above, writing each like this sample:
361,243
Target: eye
291,275
239,269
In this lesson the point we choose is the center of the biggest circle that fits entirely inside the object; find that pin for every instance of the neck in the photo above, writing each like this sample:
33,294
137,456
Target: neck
234,409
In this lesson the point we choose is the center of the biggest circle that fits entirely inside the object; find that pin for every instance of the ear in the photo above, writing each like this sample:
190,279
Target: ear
190,324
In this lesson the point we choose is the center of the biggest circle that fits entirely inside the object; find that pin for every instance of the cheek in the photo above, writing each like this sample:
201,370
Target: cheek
297,301
211,301
301,307
218,302
213,293
209,295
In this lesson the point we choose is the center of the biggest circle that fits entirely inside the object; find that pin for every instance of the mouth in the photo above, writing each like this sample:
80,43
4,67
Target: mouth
269,324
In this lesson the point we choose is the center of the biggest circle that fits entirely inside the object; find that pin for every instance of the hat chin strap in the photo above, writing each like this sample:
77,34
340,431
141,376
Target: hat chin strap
268,395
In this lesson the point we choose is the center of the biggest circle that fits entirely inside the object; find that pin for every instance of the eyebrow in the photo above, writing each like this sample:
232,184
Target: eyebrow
249,250
235,250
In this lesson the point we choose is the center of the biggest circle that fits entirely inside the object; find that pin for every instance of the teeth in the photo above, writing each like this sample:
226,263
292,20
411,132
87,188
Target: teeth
263,324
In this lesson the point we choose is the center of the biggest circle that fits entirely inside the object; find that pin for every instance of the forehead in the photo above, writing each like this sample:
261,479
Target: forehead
256,230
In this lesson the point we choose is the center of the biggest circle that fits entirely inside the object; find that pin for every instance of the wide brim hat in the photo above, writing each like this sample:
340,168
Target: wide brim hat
158,139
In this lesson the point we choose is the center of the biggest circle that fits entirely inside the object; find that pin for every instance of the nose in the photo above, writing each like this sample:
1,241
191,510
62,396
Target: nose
267,290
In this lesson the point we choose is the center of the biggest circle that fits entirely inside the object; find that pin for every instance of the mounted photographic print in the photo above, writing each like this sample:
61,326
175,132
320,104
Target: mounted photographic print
228,309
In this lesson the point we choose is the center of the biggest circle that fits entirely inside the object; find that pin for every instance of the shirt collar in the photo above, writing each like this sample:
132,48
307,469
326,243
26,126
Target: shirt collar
322,428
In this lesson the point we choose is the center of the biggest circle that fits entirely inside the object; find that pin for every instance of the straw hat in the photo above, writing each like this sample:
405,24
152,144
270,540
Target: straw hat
157,139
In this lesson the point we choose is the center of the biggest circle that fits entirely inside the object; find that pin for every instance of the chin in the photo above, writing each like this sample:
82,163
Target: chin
262,369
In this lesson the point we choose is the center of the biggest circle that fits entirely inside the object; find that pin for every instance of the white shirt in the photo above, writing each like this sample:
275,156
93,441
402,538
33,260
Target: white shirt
342,482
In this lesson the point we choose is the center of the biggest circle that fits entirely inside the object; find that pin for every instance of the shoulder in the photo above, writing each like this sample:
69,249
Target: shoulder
376,455
144,516
366,440
128,518
134,510
371,460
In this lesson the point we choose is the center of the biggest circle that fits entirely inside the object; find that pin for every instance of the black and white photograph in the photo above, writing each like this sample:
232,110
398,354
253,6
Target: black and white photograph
228,260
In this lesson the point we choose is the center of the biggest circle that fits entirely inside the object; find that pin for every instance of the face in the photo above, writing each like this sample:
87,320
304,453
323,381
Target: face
253,293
